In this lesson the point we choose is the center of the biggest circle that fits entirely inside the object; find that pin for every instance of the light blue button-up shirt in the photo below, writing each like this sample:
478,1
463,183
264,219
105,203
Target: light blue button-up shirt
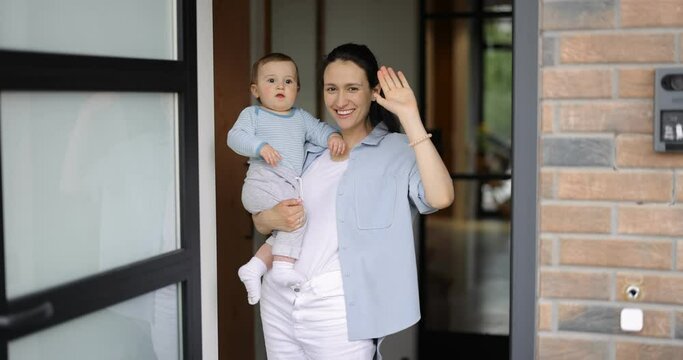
378,197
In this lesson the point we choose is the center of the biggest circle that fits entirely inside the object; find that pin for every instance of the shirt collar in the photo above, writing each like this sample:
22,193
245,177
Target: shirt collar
376,135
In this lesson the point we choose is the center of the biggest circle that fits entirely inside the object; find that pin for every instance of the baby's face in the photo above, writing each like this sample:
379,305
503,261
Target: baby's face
276,86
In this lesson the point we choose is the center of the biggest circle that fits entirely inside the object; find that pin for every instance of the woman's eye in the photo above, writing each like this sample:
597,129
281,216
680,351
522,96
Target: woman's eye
353,89
330,89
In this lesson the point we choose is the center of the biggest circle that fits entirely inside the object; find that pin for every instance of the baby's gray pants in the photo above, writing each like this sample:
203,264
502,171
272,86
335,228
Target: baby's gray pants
264,187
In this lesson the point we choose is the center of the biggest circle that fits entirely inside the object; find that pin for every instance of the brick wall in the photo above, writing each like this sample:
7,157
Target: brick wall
611,208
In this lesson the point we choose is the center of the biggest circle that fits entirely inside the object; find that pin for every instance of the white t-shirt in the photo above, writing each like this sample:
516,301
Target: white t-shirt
319,252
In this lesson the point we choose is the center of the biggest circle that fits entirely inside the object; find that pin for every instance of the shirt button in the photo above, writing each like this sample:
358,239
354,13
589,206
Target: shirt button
347,274
351,303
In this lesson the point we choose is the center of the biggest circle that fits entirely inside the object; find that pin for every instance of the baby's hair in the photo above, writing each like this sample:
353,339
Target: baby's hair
271,58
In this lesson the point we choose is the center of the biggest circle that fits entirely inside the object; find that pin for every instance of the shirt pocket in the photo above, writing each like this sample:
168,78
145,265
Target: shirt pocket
375,200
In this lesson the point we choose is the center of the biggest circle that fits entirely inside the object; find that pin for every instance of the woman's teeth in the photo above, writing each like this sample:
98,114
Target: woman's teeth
344,112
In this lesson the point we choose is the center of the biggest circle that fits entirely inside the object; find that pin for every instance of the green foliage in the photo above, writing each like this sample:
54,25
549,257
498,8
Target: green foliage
498,81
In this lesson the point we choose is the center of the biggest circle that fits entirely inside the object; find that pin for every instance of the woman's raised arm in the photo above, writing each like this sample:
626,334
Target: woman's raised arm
400,100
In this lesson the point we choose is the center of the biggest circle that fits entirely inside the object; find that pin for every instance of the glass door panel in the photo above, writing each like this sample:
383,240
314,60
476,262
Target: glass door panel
89,183
123,28
146,327
466,248
99,180
467,267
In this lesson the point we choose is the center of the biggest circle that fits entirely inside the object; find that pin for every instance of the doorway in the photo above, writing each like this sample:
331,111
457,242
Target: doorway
484,173
465,262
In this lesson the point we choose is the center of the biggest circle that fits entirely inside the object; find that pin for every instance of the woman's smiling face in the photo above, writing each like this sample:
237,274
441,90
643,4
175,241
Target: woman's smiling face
347,95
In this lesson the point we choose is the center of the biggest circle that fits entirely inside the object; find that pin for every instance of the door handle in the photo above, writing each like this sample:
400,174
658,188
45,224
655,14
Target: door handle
37,314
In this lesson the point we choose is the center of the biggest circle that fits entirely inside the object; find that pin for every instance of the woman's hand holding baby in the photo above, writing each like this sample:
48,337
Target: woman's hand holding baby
287,215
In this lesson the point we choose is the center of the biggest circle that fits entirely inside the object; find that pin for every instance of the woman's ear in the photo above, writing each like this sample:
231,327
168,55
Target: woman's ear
376,92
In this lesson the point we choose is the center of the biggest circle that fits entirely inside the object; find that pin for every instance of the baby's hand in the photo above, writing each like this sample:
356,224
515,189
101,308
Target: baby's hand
270,155
336,144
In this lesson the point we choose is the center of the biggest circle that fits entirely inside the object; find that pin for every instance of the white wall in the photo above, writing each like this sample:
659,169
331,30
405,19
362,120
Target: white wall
293,24
207,180
390,28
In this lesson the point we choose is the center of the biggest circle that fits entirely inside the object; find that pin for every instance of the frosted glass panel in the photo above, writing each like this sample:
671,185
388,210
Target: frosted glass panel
88,183
125,28
146,328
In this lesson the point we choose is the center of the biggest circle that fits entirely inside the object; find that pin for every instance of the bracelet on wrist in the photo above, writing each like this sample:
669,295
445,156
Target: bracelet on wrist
421,139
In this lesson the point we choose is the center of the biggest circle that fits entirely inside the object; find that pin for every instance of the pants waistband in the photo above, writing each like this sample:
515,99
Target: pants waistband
325,283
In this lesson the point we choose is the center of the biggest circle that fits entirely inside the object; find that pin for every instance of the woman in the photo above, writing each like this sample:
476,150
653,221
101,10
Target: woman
358,250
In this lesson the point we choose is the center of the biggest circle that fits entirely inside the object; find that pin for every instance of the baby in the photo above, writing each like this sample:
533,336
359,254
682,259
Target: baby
272,134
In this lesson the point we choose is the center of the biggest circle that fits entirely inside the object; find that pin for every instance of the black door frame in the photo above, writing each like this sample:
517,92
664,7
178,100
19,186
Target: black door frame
523,245
28,71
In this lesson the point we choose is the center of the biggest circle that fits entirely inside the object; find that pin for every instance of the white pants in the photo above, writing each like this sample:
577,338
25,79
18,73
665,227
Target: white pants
309,324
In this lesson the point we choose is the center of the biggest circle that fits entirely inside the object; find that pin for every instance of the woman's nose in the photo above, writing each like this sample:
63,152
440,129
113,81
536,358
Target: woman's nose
341,100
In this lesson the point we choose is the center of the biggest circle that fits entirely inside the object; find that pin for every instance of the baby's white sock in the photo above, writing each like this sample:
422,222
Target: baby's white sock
250,274
283,273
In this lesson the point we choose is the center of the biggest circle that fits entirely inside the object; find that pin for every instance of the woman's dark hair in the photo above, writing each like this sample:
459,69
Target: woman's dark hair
365,59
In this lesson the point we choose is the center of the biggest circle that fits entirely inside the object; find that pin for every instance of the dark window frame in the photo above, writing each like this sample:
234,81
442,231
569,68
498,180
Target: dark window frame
28,71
